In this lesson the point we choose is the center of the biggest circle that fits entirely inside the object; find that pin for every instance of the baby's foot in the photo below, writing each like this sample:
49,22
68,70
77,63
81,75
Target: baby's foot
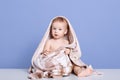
88,71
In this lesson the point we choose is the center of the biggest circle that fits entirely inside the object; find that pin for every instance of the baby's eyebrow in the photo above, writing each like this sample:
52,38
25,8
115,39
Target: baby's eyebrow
53,27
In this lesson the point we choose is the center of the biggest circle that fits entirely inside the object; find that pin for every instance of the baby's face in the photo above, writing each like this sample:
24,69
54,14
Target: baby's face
59,29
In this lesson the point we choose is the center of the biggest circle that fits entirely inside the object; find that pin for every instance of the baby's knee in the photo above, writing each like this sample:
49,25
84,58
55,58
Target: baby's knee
77,70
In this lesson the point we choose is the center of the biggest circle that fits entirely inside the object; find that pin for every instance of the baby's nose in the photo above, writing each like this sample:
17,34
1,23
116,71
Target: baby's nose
56,30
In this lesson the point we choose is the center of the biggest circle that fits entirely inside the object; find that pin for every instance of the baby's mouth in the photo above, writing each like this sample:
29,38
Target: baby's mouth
56,35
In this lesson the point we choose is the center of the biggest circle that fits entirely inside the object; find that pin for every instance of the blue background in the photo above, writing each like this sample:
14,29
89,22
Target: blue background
24,22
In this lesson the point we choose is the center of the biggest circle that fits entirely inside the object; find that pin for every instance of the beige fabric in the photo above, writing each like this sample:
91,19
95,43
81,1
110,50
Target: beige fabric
75,53
55,60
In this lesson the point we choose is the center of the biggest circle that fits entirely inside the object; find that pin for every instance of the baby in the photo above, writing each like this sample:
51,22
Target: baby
60,53
56,48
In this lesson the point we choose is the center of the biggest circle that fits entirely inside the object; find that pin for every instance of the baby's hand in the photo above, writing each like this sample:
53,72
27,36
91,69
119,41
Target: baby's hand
45,53
67,51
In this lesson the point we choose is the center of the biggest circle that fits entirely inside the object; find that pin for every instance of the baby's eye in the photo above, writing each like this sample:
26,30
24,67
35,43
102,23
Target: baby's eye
60,29
54,28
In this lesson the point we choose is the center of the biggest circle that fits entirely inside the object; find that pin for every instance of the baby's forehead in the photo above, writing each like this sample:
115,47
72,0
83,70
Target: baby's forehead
59,24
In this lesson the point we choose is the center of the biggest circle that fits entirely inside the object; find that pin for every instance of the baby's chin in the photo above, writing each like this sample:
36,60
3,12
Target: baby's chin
56,37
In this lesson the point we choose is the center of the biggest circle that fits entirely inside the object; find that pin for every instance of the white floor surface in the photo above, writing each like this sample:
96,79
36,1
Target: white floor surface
21,74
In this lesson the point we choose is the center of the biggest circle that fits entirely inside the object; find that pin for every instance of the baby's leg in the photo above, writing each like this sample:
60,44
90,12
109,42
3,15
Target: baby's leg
83,72
77,69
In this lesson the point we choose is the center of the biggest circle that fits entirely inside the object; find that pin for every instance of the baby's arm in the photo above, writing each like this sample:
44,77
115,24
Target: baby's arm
46,49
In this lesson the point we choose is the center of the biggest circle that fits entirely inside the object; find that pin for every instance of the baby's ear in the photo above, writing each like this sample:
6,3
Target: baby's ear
65,32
